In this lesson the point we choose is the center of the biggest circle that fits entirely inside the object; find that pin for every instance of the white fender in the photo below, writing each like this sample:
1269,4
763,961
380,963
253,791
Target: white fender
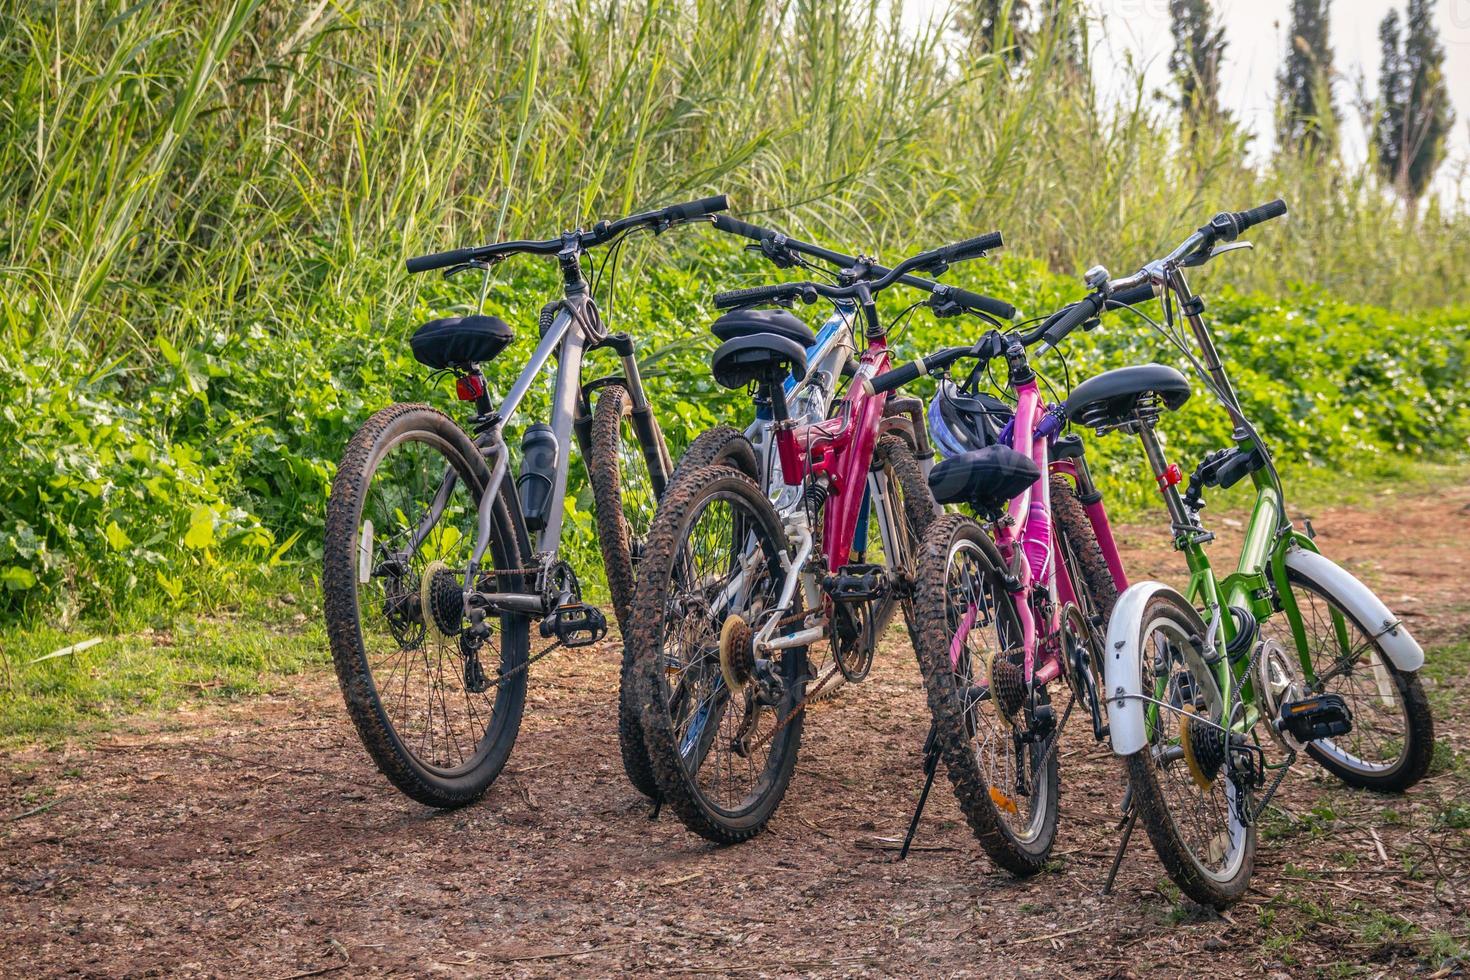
1124,685
1361,604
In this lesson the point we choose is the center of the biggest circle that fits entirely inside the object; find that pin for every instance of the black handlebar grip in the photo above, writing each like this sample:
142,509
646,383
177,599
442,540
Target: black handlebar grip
690,210
734,226
1070,319
998,308
440,260
970,248
1267,211
756,294
1132,297
897,378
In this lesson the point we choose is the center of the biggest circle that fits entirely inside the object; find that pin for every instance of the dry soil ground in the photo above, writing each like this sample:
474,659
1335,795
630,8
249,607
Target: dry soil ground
257,839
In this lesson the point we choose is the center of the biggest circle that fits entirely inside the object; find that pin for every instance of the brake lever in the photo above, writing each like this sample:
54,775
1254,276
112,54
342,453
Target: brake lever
776,252
480,264
1200,258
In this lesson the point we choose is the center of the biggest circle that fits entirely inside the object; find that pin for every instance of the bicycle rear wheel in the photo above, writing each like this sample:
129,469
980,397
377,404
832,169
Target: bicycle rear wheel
1181,778
429,705
970,653
720,725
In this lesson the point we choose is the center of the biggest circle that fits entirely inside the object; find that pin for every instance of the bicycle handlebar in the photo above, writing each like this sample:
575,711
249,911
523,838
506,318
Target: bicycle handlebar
1053,330
766,294
601,233
877,275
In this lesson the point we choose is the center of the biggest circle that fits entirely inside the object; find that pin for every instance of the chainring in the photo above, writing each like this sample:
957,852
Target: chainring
1278,681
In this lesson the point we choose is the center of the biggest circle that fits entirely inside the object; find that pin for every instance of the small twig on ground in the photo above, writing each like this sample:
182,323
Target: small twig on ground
559,954
68,651
315,973
40,809
251,846
244,761
1378,843
822,775
1049,935
896,844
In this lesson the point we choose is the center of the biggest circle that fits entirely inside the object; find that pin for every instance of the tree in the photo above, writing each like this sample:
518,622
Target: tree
1306,111
1199,47
994,26
1020,29
1415,115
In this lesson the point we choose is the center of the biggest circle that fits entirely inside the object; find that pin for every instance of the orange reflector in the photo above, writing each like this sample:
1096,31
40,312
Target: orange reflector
1003,801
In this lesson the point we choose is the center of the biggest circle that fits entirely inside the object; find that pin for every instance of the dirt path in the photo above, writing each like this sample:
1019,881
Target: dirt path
257,839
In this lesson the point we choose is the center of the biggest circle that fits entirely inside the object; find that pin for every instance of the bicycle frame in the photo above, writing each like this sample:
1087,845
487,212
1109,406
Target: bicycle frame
575,329
1027,537
1259,583
840,451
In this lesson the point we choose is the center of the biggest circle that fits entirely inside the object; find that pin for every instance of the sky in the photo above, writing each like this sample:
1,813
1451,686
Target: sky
1255,33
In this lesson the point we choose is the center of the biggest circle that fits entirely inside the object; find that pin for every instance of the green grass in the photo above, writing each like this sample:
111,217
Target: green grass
154,659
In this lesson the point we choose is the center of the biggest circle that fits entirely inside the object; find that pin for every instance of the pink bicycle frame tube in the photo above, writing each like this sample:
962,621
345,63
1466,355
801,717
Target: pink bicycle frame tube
840,448
864,415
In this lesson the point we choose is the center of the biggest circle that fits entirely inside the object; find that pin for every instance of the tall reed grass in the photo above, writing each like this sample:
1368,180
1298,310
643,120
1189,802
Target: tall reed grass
171,168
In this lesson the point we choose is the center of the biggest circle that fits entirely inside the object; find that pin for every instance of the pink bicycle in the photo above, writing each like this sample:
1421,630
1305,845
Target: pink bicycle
734,588
1007,608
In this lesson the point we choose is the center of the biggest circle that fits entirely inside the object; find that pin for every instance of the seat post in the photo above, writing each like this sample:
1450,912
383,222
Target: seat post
1165,475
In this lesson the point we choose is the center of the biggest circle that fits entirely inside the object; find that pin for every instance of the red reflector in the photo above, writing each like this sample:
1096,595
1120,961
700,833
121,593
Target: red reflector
470,387
1171,476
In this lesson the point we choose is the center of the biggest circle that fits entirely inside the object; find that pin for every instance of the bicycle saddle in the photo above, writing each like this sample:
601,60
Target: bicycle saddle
762,358
458,340
1110,398
746,323
984,478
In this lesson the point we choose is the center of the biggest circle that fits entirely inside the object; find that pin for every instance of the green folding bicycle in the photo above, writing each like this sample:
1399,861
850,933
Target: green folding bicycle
1289,642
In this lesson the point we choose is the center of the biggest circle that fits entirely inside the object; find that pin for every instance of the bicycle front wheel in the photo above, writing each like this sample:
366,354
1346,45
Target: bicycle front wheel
622,490
720,724
721,446
1182,783
437,711
970,651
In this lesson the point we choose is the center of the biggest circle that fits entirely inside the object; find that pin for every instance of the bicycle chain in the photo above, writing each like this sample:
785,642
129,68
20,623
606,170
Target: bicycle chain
800,707
522,668
1057,738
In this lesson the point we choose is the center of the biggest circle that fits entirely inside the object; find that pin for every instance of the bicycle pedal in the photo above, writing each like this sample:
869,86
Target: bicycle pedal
857,583
575,624
1322,716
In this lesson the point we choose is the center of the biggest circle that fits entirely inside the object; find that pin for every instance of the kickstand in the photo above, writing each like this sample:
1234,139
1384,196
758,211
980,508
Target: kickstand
931,765
1130,817
657,806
